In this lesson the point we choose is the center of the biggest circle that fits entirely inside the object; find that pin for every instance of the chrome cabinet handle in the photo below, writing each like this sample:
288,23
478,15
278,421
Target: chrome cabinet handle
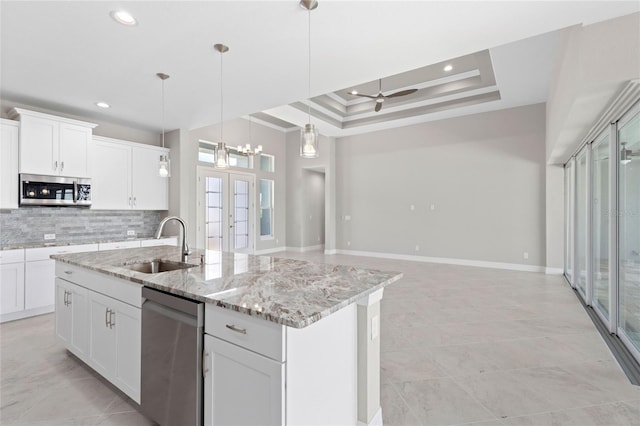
112,316
68,298
68,272
236,329
205,369
65,298
134,201
61,165
106,317
130,202
55,165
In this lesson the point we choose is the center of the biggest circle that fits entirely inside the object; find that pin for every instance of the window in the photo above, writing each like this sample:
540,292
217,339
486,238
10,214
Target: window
267,162
266,209
206,153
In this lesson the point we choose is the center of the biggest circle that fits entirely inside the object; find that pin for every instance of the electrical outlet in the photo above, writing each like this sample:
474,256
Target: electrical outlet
412,207
432,207
131,233
417,247
525,255
49,236
348,243
347,217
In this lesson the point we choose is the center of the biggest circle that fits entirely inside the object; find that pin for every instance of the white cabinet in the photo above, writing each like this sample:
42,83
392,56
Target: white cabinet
170,241
51,145
125,176
9,164
71,313
119,245
257,394
39,284
98,318
11,282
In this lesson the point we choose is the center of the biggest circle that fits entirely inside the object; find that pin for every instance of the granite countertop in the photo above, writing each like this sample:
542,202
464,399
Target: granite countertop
285,291
40,244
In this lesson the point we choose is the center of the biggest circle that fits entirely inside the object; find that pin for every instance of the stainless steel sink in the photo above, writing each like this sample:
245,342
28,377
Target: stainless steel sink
157,266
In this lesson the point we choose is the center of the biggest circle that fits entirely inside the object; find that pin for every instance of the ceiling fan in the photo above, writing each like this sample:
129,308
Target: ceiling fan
379,98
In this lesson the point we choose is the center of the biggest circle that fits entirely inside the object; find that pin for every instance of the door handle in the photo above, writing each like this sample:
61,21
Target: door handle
65,298
61,165
55,165
205,369
232,327
106,317
112,315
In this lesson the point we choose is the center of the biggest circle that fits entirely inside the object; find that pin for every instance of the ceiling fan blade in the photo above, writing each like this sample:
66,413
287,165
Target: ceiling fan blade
378,106
402,93
366,96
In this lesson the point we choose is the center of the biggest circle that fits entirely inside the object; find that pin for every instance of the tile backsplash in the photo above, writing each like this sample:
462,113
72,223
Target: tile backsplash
29,224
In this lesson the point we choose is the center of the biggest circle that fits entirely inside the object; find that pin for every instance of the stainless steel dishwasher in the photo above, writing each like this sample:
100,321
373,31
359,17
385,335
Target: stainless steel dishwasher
171,391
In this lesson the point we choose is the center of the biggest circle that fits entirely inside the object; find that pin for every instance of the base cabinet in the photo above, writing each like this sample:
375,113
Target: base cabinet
241,386
71,313
101,330
11,288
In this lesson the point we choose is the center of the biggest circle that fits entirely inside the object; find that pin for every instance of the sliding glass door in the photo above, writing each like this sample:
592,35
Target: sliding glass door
568,221
580,279
629,229
600,224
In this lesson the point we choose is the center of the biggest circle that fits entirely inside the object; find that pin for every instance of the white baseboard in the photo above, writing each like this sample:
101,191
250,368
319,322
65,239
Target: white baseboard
330,251
269,251
553,271
445,260
26,313
305,249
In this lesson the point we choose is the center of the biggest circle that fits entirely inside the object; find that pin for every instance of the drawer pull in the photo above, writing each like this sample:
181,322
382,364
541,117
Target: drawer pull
68,272
236,329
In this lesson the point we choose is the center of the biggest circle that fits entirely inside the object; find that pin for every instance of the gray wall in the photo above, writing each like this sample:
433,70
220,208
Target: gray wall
104,128
301,232
73,225
484,175
313,208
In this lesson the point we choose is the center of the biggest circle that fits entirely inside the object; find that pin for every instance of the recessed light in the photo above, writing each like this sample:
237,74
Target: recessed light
103,105
448,68
354,92
124,18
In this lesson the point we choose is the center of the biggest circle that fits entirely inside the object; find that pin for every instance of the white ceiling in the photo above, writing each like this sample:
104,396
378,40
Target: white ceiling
68,55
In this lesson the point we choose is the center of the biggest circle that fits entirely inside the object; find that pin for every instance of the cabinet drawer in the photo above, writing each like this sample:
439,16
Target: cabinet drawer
43,253
119,245
119,289
11,256
264,337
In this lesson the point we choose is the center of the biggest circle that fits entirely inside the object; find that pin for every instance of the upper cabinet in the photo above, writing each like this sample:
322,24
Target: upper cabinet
9,164
51,145
125,176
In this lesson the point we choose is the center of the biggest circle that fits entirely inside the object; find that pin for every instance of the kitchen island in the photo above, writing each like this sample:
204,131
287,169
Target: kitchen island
301,339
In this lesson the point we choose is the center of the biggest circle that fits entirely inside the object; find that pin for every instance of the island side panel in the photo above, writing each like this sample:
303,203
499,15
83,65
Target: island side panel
322,371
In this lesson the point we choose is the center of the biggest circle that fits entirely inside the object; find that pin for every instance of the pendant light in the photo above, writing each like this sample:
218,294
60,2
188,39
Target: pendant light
247,150
164,168
309,134
221,151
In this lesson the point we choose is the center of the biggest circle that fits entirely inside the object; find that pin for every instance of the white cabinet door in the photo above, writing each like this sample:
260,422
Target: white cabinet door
111,176
257,394
9,165
128,326
64,313
11,287
74,146
102,335
39,140
39,285
150,191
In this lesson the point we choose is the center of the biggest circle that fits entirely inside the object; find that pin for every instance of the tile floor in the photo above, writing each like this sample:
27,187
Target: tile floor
460,345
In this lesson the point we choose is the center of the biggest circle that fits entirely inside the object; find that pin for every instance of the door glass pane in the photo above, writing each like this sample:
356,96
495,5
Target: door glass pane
629,230
600,225
241,214
581,223
213,208
266,208
568,220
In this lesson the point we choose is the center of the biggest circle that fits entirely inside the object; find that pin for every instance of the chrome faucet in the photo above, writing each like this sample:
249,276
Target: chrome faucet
185,246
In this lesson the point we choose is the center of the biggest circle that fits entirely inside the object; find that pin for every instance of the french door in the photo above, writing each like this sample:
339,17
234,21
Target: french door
225,211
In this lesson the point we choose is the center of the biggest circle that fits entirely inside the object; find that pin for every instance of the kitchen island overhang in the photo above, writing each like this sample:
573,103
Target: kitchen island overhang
291,293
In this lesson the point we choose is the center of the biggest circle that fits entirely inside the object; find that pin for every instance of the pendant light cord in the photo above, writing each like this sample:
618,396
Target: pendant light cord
309,87
221,99
163,113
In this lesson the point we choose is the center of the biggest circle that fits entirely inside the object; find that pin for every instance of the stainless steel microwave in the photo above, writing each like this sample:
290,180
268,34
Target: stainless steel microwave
41,190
